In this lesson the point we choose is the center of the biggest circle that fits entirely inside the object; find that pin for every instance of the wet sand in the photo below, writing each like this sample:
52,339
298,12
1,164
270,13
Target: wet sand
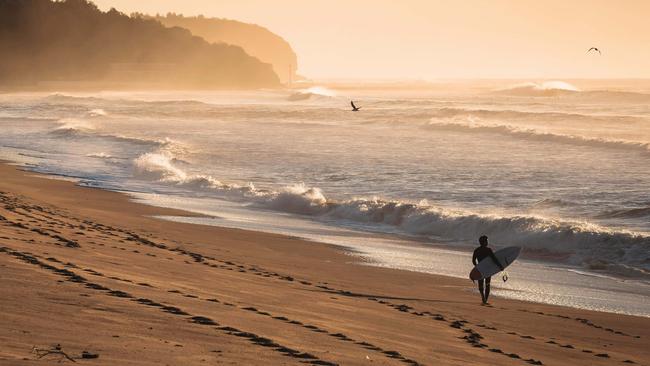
92,271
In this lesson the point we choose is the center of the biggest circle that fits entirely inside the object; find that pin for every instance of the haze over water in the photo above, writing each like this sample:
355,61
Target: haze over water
558,168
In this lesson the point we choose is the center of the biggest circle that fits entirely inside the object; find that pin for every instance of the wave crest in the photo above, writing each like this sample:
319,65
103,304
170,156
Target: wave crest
583,243
564,89
159,166
97,112
80,128
73,126
507,114
297,198
544,89
533,135
100,155
311,93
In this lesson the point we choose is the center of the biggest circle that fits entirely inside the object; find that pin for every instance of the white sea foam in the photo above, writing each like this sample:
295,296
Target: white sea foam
97,112
312,93
529,116
159,166
82,128
581,243
320,90
99,155
73,125
536,196
545,89
564,89
535,135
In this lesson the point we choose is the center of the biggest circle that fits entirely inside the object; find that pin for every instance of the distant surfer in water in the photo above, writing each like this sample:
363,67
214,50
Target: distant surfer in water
481,253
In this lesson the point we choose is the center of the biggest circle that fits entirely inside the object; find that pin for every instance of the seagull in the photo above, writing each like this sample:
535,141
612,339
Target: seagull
594,49
354,107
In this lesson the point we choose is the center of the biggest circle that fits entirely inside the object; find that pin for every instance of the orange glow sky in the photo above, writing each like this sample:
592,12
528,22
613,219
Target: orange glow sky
429,39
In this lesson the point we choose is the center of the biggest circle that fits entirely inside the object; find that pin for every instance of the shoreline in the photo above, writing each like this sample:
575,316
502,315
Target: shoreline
215,291
534,280
554,282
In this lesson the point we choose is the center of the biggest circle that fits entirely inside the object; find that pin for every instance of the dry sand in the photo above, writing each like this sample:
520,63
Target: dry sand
90,270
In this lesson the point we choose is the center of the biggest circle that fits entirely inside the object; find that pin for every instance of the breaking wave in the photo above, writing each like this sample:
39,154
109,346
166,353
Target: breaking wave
80,128
99,155
564,89
544,89
98,112
501,115
159,166
580,243
320,90
71,126
311,93
534,135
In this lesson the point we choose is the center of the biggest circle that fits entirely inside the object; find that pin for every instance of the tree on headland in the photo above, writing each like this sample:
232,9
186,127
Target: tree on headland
72,40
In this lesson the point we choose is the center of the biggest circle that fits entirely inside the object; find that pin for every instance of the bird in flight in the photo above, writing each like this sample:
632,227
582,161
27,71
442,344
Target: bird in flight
595,49
354,107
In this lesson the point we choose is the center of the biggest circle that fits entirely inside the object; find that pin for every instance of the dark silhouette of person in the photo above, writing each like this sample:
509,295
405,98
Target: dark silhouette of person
480,253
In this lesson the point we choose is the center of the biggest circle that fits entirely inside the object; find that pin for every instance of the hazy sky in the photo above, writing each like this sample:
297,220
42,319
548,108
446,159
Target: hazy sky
430,39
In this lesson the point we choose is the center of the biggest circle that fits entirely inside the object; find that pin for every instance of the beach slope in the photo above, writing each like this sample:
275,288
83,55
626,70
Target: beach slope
91,271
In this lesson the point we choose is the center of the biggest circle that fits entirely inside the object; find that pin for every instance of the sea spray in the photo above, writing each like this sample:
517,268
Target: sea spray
580,243
73,126
158,166
100,155
543,89
97,112
367,171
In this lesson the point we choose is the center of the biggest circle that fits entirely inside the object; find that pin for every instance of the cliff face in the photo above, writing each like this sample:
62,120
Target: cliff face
73,41
255,40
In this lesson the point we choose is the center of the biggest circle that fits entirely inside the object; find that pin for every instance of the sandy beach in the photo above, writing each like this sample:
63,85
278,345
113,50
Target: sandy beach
316,183
91,271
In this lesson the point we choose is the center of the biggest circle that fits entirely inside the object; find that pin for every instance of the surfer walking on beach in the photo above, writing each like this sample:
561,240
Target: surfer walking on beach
480,253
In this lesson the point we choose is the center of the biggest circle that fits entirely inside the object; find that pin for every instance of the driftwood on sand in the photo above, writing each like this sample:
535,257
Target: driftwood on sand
56,350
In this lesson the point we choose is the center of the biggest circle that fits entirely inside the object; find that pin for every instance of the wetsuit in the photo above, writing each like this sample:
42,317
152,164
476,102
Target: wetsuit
481,253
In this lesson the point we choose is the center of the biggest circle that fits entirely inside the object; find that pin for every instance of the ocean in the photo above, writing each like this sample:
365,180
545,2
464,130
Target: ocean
410,181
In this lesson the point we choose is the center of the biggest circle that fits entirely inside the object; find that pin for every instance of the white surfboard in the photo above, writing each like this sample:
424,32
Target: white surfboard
487,267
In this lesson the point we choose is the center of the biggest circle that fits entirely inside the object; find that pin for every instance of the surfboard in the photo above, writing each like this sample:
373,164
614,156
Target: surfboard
487,267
